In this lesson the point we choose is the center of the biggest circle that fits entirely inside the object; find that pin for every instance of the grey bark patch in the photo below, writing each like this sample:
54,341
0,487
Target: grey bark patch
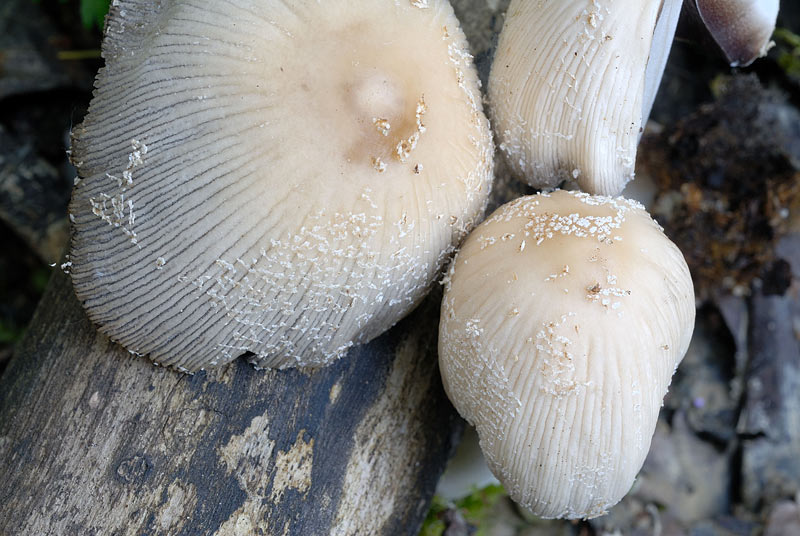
91,436
771,413
133,470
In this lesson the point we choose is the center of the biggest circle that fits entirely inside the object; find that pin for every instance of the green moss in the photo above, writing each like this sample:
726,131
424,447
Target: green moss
788,44
9,332
39,278
433,524
477,506
474,508
93,12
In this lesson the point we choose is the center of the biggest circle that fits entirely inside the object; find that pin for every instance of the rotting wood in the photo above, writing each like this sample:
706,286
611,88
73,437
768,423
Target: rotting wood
769,424
94,440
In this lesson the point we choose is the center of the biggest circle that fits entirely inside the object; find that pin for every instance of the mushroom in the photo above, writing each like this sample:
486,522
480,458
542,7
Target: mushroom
564,318
285,179
572,84
742,28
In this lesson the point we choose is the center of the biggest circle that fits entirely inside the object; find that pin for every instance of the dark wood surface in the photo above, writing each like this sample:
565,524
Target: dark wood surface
94,440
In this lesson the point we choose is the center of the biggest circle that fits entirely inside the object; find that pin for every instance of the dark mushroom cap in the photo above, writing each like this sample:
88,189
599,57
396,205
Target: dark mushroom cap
742,28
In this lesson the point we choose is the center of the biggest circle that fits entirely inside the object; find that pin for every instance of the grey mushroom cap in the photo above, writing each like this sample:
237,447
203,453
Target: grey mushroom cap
563,320
742,28
284,179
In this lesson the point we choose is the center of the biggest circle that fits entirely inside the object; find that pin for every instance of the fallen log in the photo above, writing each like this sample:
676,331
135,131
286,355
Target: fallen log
94,440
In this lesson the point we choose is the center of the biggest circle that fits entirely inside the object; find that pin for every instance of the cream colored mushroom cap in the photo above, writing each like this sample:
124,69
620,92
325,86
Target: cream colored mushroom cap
281,178
563,320
572,83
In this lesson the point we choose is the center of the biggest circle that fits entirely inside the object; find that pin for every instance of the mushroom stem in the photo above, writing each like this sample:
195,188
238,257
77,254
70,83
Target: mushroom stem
663,35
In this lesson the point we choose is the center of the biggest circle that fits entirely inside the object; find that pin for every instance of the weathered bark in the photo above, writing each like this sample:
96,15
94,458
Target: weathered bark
96,441
770,419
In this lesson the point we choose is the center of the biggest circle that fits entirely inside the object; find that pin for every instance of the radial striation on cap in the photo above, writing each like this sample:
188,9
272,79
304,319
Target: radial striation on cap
564,318
280,178
571,86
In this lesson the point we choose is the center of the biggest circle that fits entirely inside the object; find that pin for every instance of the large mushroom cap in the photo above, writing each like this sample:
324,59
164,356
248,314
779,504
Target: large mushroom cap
562,323
572,83
283,178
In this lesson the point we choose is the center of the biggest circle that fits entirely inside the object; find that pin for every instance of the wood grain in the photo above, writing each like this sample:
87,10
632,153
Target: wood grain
94,440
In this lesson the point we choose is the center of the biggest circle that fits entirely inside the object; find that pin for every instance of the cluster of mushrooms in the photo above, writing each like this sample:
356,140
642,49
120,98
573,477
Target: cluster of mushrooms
289,179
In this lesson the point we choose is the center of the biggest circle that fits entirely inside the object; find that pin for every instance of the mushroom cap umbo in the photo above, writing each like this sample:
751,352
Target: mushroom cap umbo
563,320
572,84
278,178
742,28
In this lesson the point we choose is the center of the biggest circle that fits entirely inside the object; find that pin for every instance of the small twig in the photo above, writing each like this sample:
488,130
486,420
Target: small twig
69,55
